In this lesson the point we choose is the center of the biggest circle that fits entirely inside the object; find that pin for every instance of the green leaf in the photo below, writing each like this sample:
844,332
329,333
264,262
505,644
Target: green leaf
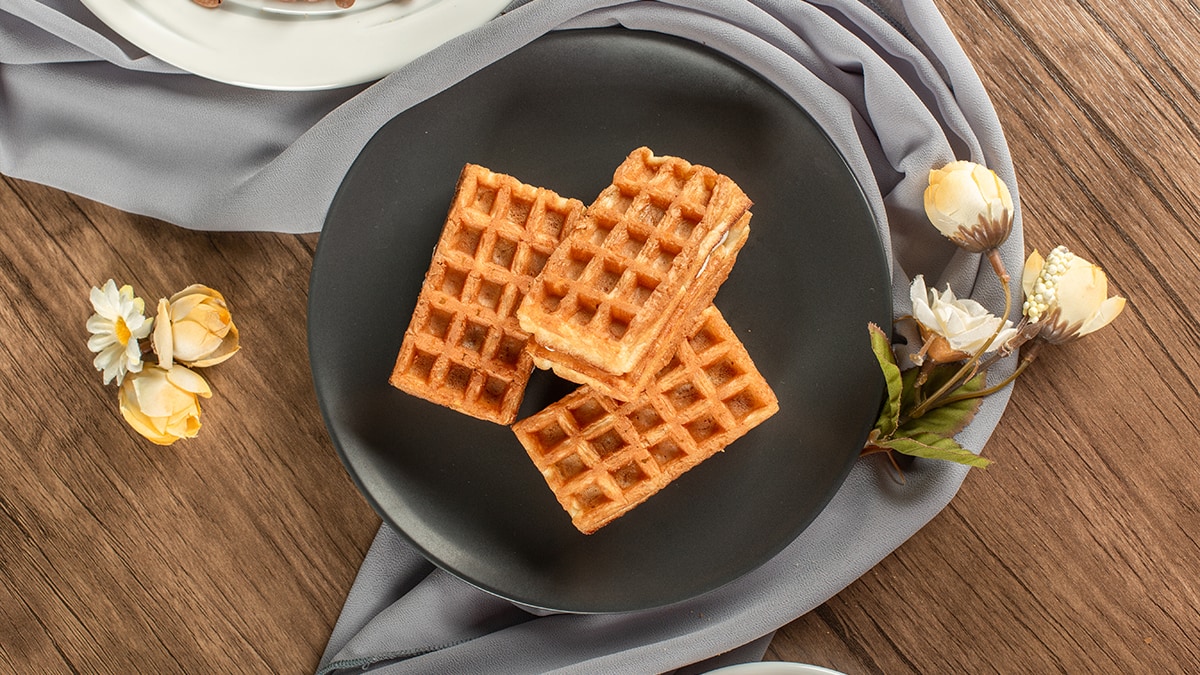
933,446
889,416
951,418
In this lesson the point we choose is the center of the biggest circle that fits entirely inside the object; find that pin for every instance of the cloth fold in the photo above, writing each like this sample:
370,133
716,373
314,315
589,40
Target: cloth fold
83,110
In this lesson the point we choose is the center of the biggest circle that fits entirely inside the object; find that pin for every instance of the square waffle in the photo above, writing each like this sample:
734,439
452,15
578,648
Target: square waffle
602,457
464,347
610,291
626,387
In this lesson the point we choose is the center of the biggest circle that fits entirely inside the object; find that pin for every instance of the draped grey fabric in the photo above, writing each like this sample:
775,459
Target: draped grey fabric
83,110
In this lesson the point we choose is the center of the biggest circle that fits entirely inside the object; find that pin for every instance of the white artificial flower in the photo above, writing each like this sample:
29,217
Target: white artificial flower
116,327
954,328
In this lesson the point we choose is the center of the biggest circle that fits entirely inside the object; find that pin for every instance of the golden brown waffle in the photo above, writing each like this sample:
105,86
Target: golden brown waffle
626,387
602,457
464,347
609,293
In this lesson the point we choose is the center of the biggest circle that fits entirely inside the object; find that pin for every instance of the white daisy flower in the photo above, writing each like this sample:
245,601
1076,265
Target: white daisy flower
119,322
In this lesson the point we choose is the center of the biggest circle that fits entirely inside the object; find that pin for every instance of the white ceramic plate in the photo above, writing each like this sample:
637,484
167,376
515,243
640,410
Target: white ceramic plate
774,668
270,44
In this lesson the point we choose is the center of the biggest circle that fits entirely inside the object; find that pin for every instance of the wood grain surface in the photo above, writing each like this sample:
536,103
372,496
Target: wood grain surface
1077,552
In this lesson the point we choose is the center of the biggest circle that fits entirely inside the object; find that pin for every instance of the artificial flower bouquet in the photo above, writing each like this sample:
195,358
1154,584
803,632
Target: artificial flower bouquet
936,391
192,329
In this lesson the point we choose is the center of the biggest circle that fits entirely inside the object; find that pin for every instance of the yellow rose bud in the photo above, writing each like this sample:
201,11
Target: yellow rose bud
201,331
162,404
970,205
1068,295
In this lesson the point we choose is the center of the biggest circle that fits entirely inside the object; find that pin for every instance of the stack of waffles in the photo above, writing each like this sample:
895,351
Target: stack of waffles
617,297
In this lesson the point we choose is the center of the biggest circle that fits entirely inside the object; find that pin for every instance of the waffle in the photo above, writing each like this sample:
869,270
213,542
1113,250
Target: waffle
610,291
626,387
464,347
602,457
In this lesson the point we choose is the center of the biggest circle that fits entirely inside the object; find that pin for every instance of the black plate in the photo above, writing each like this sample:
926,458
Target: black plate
563,112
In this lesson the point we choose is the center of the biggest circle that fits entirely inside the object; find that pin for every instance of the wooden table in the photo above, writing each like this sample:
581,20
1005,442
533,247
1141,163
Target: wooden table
233,552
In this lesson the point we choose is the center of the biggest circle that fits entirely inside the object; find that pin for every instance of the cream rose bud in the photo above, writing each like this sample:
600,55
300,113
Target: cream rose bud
1067,295
954,328
163,404
202,332
970,205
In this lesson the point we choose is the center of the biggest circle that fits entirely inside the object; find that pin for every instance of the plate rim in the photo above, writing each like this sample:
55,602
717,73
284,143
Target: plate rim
846,467
307,56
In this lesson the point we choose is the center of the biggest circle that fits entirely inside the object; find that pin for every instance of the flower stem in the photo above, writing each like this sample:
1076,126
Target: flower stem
970,366
1001,271
891,455
1026,359
1025,332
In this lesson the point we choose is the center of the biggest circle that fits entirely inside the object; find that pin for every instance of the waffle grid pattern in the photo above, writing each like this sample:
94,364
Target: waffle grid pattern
464,347
602,457
610,288
628,386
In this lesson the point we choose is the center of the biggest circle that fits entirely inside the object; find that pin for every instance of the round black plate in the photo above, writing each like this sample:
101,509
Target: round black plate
562,113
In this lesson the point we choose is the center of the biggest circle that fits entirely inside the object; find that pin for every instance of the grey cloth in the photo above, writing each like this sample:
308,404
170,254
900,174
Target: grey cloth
83,110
